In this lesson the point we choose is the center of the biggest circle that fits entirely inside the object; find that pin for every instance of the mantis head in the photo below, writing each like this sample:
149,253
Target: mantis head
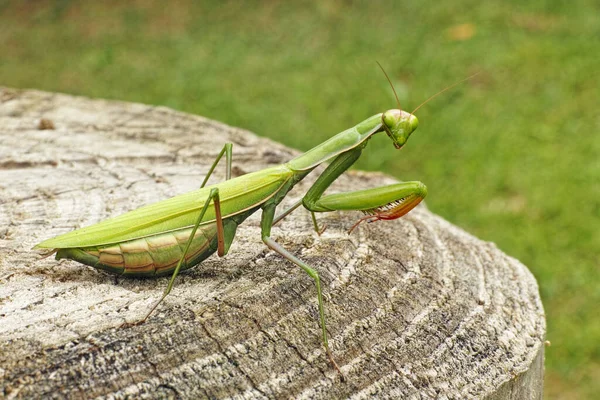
399,125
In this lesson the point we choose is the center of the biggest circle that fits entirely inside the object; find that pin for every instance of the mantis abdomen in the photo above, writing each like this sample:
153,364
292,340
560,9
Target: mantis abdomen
153,255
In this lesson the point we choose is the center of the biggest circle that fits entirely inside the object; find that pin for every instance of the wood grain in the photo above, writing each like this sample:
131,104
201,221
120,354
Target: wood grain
416,307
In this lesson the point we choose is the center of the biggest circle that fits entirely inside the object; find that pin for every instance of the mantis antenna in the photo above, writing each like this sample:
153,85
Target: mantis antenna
443,90
390,81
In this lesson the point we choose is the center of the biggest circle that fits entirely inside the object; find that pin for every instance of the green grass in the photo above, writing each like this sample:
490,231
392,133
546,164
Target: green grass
513,155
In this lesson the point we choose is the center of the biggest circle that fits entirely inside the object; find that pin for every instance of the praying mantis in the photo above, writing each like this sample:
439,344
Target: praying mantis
179,233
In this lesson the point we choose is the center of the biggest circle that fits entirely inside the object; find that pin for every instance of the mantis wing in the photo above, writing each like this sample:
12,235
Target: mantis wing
237,195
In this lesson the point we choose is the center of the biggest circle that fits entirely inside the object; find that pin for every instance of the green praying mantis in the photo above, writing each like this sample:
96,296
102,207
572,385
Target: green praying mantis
179,233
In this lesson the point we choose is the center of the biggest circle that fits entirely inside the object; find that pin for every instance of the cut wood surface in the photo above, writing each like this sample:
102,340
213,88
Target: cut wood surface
416,307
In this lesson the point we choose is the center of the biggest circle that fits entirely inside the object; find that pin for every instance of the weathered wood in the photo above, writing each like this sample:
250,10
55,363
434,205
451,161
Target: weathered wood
416,307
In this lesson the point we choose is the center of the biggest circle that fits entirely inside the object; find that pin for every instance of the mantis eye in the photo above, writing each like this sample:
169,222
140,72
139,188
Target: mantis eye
390,118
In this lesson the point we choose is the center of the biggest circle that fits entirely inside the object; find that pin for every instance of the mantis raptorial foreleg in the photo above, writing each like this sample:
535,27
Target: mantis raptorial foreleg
228,156
213,196
266,224
386,202
337,167
316,224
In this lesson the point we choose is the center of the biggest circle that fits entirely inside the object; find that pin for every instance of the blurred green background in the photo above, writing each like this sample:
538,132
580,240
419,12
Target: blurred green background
512,155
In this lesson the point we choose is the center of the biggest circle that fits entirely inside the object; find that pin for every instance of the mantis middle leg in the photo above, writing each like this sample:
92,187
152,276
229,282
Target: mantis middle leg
266,224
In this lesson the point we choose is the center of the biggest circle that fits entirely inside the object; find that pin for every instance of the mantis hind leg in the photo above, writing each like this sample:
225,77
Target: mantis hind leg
221,244
227,150
266,224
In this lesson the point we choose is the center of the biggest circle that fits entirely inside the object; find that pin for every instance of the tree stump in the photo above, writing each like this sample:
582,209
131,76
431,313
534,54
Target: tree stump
416,307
